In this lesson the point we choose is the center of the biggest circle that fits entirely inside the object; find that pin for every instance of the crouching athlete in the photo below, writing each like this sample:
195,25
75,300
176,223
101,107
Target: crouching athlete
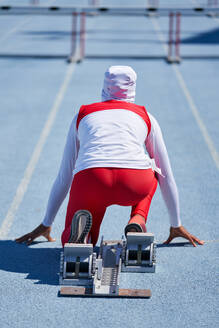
114,154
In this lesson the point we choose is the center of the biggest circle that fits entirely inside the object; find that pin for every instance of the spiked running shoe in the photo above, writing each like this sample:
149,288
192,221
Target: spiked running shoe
133,227
80,227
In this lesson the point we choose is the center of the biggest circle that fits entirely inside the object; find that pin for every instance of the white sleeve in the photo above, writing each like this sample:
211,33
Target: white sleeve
63,181
156,148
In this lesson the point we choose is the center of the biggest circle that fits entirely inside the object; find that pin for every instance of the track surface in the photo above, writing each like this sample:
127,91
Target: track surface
184,99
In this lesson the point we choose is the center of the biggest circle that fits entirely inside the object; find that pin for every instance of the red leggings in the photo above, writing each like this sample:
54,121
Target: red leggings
95,189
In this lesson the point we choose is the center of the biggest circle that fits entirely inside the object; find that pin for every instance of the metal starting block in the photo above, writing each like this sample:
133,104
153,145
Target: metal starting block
83,273
76,265
139,253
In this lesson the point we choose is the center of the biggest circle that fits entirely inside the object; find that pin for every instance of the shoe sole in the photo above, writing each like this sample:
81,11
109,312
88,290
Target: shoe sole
80,226
131,226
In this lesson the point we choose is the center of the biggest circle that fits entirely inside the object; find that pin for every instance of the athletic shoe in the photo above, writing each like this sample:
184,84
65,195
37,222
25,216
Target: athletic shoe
80,227
134,227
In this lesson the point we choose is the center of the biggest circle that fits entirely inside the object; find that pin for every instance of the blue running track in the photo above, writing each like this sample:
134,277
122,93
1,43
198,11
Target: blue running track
39,95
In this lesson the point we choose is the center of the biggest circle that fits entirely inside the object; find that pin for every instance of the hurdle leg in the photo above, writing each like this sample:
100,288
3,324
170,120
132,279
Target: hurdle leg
72,56
82,35
177,39
170,41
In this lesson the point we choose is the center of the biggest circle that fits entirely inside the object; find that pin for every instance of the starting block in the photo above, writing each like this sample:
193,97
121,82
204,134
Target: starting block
76,265
83,272
139,253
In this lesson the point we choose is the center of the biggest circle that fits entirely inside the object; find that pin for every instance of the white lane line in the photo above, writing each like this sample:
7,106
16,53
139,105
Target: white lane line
15,29
198,119
192,106
22,188
18,26
187,242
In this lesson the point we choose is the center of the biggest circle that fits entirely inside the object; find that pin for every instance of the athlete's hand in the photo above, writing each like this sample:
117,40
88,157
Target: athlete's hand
41,230
182,232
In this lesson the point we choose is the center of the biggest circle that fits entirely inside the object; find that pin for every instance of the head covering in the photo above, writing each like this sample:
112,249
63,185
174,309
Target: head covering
119,84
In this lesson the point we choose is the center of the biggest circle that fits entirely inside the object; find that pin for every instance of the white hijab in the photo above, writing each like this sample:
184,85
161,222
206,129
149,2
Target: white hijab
119,84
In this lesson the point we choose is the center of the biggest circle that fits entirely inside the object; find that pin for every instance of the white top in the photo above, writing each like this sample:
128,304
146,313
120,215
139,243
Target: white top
114,138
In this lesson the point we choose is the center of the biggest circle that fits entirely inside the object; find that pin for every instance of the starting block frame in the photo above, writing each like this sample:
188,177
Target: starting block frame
85,273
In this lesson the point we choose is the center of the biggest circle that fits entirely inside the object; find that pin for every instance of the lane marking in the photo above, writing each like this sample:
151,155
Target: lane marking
192,106
201,125
182,243
22,188
15,29
186,241
19,25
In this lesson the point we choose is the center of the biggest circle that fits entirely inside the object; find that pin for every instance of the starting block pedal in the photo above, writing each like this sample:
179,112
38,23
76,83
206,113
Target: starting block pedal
83,273
76,265
139,254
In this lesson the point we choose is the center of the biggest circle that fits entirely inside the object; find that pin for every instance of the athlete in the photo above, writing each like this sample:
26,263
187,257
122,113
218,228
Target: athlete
114,154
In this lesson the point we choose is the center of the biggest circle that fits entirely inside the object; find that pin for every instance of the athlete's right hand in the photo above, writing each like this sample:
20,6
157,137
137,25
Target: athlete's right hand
182,232
41,230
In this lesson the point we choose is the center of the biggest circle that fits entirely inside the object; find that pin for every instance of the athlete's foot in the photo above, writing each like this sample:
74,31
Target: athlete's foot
136,224
80,227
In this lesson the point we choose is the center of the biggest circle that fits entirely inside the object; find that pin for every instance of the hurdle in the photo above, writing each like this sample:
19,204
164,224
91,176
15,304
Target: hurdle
79,13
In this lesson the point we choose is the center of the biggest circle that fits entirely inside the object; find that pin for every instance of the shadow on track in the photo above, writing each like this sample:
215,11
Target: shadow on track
40,264
180,244
209,37
32,56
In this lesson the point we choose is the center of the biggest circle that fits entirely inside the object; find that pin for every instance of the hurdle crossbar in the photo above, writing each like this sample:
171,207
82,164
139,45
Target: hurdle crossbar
90,10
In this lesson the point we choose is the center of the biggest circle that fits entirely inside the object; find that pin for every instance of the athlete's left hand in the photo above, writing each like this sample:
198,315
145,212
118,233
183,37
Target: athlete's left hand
41,230
182,232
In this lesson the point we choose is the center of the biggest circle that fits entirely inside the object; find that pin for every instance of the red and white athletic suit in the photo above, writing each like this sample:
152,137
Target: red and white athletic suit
105,162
